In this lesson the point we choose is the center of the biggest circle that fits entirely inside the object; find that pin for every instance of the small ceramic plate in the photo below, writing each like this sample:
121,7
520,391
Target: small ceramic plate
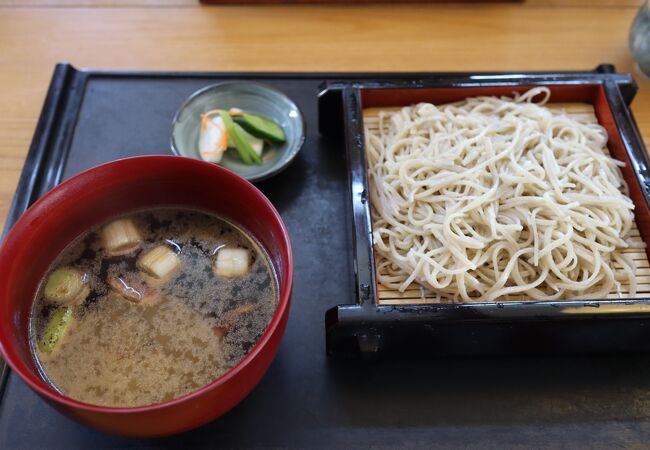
250,97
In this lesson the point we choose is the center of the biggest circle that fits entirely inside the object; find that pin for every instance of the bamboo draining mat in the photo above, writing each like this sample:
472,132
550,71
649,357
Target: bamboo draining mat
418,295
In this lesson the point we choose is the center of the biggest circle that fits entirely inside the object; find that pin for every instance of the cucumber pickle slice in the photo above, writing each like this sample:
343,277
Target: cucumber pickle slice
261,127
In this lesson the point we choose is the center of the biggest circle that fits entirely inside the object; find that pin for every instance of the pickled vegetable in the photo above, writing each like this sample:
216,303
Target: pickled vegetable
236,134
257,144
213,139
261,127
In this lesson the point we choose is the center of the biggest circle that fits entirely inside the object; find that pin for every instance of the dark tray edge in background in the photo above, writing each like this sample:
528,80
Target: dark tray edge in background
46,156
45,159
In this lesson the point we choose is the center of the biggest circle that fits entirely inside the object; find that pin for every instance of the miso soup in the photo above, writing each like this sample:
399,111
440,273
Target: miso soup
151,306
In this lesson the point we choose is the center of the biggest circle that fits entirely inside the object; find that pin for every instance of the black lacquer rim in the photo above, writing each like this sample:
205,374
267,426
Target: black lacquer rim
366,313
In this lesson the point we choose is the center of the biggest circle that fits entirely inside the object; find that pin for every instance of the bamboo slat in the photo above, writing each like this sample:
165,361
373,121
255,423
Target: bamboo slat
416,294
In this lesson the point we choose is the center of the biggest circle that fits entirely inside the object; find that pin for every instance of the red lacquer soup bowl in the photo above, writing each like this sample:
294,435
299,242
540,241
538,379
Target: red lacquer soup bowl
119,187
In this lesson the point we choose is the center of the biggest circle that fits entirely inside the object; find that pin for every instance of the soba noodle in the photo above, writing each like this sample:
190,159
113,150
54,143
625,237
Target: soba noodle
498,198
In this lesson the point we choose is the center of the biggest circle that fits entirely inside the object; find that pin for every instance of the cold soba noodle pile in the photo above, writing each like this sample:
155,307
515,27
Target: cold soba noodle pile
498,198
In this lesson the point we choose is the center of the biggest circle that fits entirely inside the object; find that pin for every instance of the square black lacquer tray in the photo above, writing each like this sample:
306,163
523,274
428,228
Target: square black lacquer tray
308,400
370,328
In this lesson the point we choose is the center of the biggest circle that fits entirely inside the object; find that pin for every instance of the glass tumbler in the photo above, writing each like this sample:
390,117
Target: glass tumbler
640,39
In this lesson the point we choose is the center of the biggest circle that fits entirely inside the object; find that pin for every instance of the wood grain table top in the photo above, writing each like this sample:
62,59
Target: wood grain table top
182,35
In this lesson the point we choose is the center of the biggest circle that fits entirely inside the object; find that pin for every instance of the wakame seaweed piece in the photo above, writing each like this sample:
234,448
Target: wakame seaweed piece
261,127
56,329
237,136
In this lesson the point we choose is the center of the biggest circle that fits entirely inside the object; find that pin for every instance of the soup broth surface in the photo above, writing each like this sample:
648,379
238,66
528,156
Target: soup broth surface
135,339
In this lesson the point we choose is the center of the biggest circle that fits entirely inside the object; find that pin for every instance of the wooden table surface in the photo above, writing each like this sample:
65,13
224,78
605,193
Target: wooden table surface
181,35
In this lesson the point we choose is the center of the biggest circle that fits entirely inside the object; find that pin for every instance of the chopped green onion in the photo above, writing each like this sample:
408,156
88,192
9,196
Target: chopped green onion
55,329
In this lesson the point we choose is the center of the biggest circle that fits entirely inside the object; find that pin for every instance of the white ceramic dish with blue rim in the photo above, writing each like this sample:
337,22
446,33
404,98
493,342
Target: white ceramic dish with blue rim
250,97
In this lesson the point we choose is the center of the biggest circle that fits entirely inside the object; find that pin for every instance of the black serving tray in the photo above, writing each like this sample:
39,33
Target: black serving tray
369,329
308,400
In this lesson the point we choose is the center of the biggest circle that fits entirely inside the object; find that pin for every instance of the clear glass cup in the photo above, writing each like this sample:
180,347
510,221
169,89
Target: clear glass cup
640,39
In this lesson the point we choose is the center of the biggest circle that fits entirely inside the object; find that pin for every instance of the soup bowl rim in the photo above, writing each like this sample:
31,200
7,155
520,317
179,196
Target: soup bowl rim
38,384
